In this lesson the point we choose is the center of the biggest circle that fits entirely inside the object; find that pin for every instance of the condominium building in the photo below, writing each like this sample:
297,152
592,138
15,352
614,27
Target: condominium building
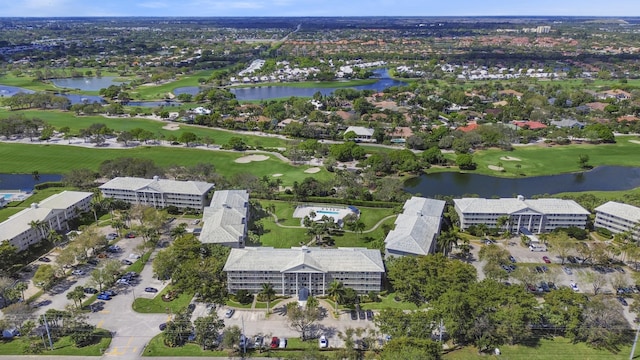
31,225
537,216
225,219
416,229
618,218
159,193
290,271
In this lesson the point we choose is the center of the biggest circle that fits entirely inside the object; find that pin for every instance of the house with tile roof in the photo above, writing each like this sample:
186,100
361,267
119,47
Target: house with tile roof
528,124
303,269
416,229
225,219
535,215
159,193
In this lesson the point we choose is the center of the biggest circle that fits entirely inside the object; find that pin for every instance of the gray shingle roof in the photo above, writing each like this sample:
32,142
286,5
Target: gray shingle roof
158,185
416,227
513,205
326,260
225,219
623,211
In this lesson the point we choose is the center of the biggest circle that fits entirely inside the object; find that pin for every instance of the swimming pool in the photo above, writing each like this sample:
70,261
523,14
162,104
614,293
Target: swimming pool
327,212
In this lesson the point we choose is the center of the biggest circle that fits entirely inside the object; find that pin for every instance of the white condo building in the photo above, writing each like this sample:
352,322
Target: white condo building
416,229
618,218
157,192
313,269
537,216
225,220
53,213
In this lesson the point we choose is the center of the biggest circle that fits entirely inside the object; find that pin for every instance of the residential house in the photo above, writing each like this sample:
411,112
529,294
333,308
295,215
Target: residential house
528,124
362,133
568,124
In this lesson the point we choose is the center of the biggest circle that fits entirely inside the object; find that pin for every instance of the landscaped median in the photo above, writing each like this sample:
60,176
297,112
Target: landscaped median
159,306
63,346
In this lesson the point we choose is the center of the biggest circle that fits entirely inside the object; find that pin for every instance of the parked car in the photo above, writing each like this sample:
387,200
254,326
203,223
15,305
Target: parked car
354,315
103,296
130,235
90,290
191,307
110,292
283,343
539,269
546,259
369,315
619,269
274,342
150,290
134,256
622,301
512,259
162,326
552,286
567,270
93,262
229,313
545,287
322,342
574,286
122,281
45,259
77,272
361,314
572,259
112,236
126,262
258,342
243,341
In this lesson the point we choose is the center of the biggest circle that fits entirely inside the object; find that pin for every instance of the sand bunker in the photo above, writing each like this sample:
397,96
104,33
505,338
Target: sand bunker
250,158
496,168
312,170
635,141
509,158
172,127
276,175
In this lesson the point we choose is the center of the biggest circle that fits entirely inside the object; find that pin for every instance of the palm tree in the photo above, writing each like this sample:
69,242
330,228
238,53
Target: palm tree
21,286
336,291
446,240
96,205
178,231
39,225
359,227
268,292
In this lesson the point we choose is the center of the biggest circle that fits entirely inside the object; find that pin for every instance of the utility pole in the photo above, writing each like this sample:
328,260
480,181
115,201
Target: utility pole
46,326
635,341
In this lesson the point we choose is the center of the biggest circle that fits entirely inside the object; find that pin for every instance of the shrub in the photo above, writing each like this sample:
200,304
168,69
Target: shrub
244,297
604,232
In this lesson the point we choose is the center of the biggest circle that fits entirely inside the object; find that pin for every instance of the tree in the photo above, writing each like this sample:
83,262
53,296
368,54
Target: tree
337,292
465,162
231,337
188,137
596,280
77,294
21,287
267,292
207,329
302,319
561,245
178,330
583,161
408,348
44,276
99,277
603,325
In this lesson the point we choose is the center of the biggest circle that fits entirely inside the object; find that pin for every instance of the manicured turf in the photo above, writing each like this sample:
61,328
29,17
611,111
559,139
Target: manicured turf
557,348
153,92
156,347
543,160
37,197
60,159
64,346
157,306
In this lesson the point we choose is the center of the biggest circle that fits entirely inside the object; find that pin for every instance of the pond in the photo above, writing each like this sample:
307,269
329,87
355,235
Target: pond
25,182
272,92
153,103
86,84
12,90
602,178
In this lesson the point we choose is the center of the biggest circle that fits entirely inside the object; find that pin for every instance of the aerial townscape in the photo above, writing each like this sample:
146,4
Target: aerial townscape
309,180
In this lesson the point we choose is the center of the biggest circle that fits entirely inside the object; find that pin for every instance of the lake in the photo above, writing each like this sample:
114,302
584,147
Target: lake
284,91
86,84
602,178
12,90
25,182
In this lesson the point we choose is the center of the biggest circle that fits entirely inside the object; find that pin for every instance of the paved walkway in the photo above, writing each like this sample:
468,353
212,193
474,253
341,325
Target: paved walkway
275,219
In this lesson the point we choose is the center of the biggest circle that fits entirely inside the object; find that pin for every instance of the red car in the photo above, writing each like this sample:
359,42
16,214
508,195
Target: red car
130,235
546,259
275,342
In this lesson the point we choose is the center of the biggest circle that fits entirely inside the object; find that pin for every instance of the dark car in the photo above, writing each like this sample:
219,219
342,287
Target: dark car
90,290
44,259
572,259
354,315
130,235
275,342
191,307
539,269
512,259
622,301
92,262
531,288
361,315
545,287
110,292
103,296
126,262
162,326
150,290
369,315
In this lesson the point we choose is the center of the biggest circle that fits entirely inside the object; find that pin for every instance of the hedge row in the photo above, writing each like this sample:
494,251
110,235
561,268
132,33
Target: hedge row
51,184
330,200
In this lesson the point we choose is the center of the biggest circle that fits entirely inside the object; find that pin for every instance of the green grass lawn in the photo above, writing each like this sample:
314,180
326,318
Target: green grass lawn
157,306
152,92
543,160
156,347
236,304
388,302
60,159
64,346
38,196
556,348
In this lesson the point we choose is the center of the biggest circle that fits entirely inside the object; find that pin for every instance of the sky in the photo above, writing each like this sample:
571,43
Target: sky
72,8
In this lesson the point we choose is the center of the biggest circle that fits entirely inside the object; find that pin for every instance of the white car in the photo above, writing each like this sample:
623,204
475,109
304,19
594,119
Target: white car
122,281
323,342
77,272
574,286
134,256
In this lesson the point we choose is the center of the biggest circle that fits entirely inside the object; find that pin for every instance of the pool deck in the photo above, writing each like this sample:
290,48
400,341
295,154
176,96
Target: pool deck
335,212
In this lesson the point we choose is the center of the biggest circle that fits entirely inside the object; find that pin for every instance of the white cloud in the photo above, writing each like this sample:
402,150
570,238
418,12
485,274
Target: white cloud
154,5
